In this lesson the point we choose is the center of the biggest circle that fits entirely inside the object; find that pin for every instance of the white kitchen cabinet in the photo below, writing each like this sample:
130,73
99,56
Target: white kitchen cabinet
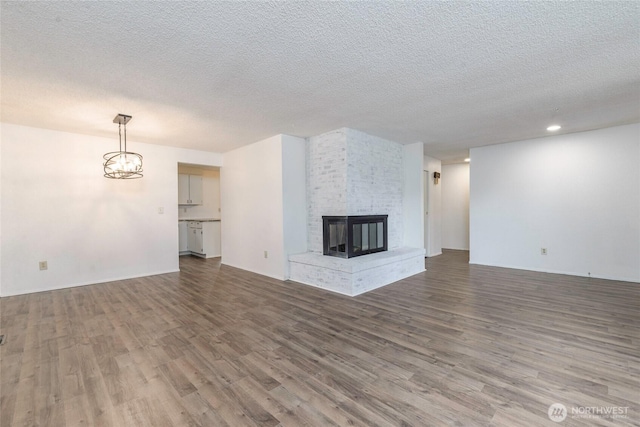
204,238
195,189
189,189
196,238
183,189
183,237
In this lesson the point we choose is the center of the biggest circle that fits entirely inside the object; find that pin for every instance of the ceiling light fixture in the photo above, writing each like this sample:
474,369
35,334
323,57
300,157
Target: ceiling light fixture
554,128
122,164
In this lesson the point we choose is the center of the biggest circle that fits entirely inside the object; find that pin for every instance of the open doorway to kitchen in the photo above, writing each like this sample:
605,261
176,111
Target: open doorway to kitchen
199,211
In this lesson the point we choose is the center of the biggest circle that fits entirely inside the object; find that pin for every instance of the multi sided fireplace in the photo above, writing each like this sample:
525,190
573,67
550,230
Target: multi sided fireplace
351,236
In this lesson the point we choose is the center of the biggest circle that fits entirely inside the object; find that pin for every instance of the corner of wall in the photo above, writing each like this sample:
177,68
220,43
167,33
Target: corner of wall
294,197
252,202
434,202
413,196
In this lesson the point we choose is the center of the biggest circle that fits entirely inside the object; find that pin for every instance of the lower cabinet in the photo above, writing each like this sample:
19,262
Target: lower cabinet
202,238
195,238
183,237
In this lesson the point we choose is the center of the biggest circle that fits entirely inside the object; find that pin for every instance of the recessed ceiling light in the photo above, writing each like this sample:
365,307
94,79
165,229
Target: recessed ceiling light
554,128
467,160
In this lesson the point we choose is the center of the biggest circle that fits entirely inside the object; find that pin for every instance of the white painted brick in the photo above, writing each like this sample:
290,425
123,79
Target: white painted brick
352,173
355,276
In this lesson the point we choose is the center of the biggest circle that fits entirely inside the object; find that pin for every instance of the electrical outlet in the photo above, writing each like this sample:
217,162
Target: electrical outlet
43,265
266,254
160,210
543,251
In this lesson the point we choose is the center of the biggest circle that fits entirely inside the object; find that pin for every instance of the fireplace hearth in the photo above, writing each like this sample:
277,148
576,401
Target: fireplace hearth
352,236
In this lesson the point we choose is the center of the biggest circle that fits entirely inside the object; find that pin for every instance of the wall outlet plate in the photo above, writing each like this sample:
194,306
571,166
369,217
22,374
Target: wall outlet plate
43,265
543,251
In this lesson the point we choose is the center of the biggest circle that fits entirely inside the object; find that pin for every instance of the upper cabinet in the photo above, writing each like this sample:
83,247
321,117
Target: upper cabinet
189,189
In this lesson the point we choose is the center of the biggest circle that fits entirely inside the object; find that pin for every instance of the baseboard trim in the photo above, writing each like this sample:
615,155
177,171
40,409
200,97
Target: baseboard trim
253,271
76,285
566,273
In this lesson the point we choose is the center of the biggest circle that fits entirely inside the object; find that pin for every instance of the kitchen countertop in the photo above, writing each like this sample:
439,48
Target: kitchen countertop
199,219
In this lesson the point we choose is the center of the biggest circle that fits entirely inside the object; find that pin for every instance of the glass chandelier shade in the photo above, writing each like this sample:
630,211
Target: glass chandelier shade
122,164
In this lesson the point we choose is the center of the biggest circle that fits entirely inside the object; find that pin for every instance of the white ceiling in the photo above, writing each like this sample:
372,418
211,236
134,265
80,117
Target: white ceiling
217,75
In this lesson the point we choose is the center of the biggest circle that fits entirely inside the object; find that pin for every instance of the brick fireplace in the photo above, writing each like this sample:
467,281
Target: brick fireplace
354,179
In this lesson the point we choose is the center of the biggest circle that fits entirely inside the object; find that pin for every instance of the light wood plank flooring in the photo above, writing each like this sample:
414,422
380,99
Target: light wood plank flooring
213,346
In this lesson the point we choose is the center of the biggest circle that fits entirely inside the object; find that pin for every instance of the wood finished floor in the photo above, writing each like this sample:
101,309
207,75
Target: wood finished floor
212,346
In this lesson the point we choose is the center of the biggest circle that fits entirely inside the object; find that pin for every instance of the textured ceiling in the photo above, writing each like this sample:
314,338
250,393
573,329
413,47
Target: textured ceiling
217,75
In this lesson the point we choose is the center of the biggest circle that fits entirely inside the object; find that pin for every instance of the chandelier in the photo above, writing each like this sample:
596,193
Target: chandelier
122,164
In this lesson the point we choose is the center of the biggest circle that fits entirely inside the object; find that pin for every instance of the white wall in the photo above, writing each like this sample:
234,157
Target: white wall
294,197
57,206
251,192
1,238
258,182
433,205
455,206
413,196
578,195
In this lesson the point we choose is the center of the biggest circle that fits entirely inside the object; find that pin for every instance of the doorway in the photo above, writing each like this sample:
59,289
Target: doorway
199,211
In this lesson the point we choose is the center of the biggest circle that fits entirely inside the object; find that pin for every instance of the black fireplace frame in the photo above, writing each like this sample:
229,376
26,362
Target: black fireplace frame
349,222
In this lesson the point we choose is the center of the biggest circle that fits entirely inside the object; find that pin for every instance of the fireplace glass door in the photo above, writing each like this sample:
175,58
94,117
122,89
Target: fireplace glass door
368,236
338,238
350,236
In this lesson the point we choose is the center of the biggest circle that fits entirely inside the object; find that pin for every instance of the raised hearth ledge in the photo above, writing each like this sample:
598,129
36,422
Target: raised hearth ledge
354,276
